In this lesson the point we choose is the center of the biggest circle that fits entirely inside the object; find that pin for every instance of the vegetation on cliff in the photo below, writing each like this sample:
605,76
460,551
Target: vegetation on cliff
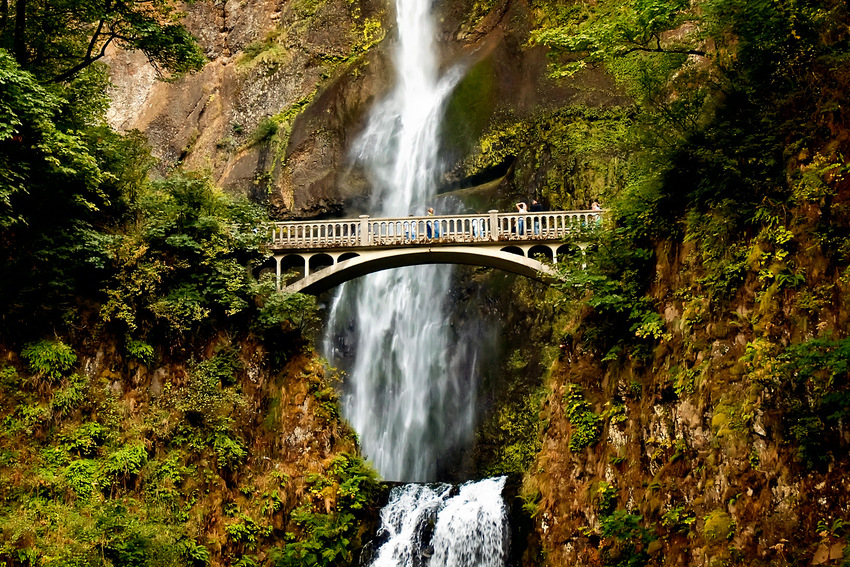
159,405
697,414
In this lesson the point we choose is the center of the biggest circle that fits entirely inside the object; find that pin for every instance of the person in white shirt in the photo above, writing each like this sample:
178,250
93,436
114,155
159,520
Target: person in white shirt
520,223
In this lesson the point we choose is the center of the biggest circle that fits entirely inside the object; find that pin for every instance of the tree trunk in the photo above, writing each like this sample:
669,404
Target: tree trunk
4,14
20,38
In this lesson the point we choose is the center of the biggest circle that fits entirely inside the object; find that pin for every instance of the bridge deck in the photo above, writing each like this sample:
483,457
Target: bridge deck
327,253
482,229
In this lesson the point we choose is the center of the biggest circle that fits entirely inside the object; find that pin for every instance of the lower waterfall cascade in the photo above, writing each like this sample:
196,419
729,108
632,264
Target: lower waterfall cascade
444,526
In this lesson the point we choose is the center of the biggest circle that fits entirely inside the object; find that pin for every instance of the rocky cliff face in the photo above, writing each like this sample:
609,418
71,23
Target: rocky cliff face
719,447
274,113
268,63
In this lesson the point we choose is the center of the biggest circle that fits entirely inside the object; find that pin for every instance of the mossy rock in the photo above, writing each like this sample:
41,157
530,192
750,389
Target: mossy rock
719,526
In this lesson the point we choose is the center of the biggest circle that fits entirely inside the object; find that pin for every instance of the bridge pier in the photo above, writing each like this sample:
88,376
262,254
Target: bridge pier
277,261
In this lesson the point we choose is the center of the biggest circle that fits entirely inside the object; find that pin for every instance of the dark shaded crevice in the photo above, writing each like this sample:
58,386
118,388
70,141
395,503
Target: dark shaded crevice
482,177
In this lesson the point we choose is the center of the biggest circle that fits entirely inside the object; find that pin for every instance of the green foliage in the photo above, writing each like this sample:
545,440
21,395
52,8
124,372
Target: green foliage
587,425
606,498
141,351
612,278
49,359
195,553
65,178
68,398
276,310
183,267
229,452
626,539
604,31
717,117
515,432
206,398
85,439
27,117
678,519
811,381
572,156
838,528
329,538
57,42
82,477
724,261
207,405
266,129
816,395
684,380
126,461
245,531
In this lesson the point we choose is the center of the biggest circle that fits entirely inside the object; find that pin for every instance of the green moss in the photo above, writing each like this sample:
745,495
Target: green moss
270,53
264,132
577,148
719,526
513,434
470,107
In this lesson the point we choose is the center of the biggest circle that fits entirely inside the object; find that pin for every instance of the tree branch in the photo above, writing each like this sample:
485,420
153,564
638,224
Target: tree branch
87,60
94,37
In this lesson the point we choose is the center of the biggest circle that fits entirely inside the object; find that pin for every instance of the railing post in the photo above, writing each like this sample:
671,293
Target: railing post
363,238
494,224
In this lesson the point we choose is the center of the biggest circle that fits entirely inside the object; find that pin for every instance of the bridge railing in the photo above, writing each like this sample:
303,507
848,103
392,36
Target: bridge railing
492,226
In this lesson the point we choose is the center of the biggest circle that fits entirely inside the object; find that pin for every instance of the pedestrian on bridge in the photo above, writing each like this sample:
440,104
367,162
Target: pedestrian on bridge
520,223
432,227
536,208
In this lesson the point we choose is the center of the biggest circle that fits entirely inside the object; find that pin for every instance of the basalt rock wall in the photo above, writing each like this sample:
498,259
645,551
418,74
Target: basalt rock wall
275,112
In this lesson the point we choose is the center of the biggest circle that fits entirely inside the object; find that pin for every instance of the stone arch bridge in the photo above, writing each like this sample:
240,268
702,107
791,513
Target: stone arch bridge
324,254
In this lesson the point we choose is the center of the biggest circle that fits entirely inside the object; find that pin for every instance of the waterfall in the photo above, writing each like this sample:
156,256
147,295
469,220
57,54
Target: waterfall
428,525
410,394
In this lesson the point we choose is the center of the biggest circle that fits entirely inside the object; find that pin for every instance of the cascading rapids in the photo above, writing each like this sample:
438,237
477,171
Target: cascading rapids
427,526
411,389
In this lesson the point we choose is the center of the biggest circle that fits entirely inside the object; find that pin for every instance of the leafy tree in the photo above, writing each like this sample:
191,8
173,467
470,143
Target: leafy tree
58,39
602,31
65,180
182,266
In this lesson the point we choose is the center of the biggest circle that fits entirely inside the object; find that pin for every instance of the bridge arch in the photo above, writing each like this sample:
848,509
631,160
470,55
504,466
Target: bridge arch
541,250
320,262
374,261
292,262
513,250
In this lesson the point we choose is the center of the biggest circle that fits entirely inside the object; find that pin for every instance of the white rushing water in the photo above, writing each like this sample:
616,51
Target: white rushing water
410,391
427,526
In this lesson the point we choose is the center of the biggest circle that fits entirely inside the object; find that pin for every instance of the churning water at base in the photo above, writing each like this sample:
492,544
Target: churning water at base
431,526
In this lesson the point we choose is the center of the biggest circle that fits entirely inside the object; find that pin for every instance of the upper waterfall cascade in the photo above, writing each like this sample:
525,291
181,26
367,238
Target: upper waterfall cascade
410,397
